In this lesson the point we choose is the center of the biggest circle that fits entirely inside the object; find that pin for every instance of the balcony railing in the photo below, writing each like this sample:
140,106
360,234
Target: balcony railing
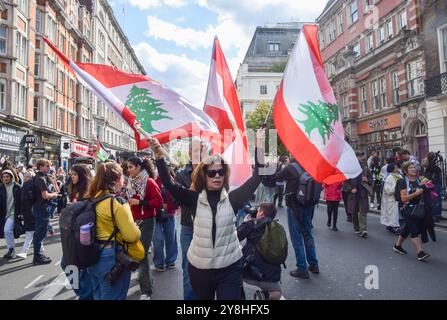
436,86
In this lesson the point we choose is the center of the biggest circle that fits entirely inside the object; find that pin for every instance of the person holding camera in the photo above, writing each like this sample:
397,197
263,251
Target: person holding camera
144,200
110,276
215,252
257,271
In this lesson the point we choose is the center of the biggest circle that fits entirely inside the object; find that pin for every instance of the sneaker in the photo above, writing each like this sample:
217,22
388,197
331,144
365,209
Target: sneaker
160,268
329,224
11,254
364,234
298,273
41,260
51,233
357,231
399,249
334,228
259,295
170,266
280,206
145,297
22,255
422,256
314,269
372,205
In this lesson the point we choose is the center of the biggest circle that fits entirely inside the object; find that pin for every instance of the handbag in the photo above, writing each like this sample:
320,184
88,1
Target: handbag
416,212
19,228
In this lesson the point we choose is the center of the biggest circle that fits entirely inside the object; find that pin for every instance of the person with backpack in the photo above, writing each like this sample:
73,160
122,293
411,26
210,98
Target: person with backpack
332,195
215,252
108,276
41,197
144,200
279,191
302,194
265,236
10,212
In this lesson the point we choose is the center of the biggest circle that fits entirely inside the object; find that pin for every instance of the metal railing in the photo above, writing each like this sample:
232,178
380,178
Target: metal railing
436,86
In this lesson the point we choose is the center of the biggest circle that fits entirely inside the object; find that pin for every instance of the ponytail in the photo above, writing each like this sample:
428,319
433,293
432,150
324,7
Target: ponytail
104,181
145,164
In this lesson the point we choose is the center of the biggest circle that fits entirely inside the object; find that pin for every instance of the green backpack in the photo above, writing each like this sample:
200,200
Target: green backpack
273,246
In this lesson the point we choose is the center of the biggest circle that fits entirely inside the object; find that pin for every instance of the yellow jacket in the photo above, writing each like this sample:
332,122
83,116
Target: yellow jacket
128,230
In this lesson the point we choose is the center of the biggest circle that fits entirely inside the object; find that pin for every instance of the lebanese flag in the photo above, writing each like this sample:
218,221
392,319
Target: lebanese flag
307,117
222,105
142,102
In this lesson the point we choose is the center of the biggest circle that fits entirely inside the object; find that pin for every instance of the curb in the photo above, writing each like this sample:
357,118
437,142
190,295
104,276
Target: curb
377,212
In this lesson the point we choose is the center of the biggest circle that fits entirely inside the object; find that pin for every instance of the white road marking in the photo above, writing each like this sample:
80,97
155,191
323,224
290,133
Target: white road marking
53,289
34,281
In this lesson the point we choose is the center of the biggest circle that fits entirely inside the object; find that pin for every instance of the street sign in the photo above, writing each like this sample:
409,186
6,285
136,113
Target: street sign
39,150
30,138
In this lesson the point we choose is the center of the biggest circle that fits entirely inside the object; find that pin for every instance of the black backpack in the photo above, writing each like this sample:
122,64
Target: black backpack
308,191
72,218
29,192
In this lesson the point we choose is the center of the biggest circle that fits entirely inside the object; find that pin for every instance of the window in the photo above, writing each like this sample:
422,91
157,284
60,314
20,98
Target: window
62,43
23,6
356,49
101,40
3,39
420,130
274,47
48,114
20,100
69,123
60,81
332,31
381,34
364,101
37,65
395,78
36,109
50,70
353,11
383,100
263,89
389,28
340,23
2,94
344,105
369,42
70,89
59,119
72,52
443,48
402,17
375,96
38,21
414,78
51,29
21,48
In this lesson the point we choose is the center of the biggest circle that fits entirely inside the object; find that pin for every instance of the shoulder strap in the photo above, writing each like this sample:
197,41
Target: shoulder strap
115,228
103,197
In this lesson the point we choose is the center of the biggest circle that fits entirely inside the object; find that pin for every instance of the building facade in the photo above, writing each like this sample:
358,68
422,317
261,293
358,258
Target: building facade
374,57
261,71
435,38
39,95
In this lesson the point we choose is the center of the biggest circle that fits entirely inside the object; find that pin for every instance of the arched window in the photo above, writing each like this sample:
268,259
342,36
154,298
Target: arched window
420,130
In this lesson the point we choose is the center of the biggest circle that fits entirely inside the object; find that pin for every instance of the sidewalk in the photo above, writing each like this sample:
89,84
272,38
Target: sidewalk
441,224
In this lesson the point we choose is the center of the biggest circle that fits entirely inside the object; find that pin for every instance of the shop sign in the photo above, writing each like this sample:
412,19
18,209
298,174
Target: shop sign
11,136
378,124
79,147
39,151
30,138
48,140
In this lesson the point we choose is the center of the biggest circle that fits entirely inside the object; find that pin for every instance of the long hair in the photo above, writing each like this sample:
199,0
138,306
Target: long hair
199,173
106,175
84,178
145,164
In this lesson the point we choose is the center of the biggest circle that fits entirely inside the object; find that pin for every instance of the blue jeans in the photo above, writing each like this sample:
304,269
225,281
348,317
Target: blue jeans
41,224
85,290
185,240
303,245
102,289
437,204
165,234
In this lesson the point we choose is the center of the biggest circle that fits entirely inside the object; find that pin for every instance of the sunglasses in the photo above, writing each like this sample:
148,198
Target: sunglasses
212,173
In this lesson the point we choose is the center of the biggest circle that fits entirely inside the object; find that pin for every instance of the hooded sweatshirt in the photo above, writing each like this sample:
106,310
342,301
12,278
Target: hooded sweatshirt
9,196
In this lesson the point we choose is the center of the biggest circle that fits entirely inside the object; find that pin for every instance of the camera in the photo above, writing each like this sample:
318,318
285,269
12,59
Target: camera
123,262
248,265
251,211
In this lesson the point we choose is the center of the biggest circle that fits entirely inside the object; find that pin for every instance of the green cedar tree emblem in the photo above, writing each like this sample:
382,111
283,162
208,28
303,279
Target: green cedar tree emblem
146,108
320,116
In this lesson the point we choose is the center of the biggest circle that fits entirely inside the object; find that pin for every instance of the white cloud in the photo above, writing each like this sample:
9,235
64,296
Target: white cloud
148,4
188,77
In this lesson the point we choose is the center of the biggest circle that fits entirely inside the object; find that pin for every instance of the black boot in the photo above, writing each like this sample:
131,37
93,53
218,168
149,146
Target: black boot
334,226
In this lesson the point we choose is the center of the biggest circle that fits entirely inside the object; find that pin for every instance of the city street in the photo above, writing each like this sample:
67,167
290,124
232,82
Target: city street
342,255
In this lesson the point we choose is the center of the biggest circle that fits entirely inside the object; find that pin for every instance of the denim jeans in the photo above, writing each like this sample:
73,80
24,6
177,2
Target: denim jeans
84,289
185,240
41,224
303,245
102,289
147,233
165,237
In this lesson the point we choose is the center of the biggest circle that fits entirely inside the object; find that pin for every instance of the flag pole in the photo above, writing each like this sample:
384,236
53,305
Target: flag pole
266,118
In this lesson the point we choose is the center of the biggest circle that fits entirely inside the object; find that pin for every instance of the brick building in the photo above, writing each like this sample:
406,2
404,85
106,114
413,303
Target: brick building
374,58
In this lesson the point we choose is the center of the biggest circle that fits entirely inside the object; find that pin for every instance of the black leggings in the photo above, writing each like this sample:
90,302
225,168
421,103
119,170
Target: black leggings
332,210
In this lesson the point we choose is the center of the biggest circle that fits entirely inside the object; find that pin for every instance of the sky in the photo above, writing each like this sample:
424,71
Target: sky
173,39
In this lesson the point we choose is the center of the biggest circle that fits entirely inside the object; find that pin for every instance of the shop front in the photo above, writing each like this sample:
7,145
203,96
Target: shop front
382,134
48,147
10,139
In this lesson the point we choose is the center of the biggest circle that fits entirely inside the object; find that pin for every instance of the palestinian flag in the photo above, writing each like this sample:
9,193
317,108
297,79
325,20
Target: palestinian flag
147,106
307,117
101,152
222,105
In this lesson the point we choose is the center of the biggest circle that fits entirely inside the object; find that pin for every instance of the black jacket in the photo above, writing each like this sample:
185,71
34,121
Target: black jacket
253,231
17,205
183,177
292,178
28,219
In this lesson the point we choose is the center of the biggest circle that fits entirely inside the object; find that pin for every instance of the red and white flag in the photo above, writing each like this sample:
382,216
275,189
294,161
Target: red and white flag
142,102
222,105
307,117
